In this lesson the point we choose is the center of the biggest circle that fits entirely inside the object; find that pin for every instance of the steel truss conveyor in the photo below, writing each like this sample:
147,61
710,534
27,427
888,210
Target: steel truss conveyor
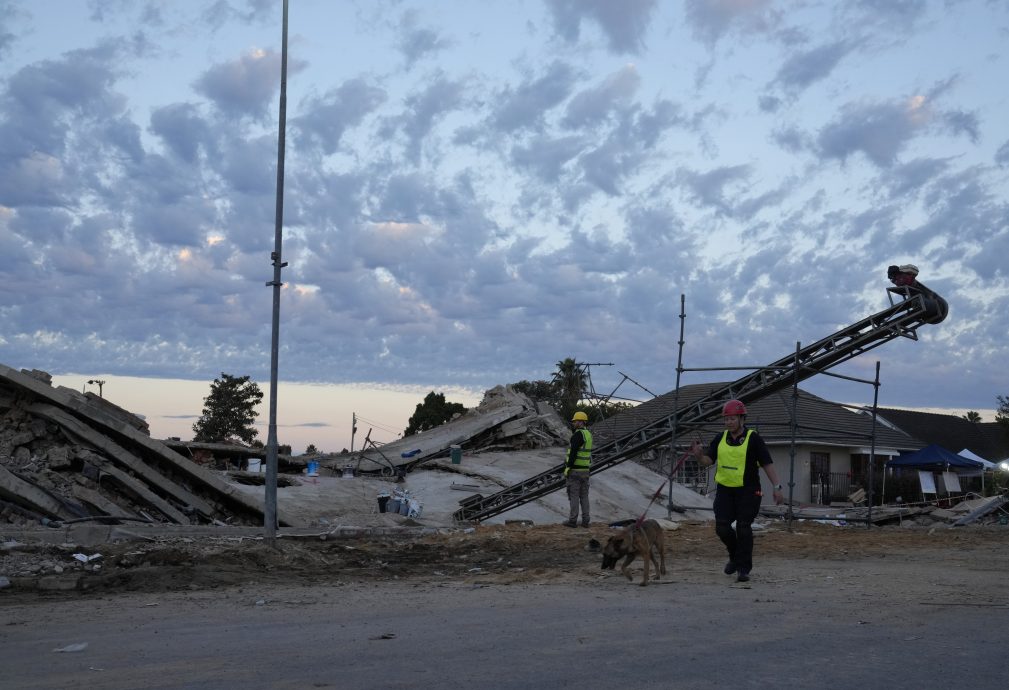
910,308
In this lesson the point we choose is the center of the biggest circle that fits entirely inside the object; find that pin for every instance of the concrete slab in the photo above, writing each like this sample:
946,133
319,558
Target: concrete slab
619,493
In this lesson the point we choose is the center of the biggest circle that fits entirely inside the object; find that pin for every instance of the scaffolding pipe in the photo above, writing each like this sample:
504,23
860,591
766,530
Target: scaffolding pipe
676,406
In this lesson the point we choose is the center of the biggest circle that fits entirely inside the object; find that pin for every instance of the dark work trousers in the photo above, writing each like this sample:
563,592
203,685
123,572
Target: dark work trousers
578,494
739,504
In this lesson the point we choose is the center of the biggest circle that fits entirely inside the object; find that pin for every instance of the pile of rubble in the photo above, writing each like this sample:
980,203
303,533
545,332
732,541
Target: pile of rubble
505,420
70,457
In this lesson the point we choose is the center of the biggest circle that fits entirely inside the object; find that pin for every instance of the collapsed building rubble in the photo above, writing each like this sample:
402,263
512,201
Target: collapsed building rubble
67,456
505,420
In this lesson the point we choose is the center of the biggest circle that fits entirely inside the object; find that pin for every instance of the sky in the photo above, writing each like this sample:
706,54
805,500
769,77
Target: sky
476,191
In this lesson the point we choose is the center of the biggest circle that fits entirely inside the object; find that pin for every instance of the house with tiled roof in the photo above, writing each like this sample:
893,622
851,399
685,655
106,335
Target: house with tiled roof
823,459
987,440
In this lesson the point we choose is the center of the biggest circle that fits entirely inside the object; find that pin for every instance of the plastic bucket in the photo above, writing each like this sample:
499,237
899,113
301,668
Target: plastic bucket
255,464
455,452
313,469
392,506
382,503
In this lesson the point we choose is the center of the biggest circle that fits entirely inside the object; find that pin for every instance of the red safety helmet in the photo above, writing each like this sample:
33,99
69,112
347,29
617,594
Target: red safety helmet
733,407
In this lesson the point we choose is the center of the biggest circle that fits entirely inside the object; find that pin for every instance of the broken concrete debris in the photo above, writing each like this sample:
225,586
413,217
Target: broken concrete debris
69,457
505,420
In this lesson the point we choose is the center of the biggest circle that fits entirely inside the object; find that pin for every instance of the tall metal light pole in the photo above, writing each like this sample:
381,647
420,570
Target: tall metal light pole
353,429
270,499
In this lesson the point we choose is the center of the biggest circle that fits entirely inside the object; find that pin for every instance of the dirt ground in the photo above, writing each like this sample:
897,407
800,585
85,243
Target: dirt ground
500,554
510,607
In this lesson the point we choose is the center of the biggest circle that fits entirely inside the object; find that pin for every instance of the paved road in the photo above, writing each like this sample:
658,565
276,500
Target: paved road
796,627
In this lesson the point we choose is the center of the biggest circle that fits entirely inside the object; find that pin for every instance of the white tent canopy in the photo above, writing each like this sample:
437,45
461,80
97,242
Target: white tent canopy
987,464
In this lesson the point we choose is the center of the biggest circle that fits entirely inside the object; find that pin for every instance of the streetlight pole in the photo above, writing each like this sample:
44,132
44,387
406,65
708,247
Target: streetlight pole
97,382
270,498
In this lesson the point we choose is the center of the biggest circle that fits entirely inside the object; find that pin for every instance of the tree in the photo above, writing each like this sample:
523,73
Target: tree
1002,414
972,416
598,411
311,450
537,391
569,382
433,412
229,411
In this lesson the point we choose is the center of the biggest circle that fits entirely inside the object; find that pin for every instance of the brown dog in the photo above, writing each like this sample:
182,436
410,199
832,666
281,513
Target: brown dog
637,541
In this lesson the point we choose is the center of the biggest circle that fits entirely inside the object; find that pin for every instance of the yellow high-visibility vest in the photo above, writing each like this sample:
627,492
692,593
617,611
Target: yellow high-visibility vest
583,460
731,460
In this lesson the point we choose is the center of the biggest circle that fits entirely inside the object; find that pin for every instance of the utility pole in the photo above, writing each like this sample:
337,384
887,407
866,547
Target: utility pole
270,498
353,429
97,382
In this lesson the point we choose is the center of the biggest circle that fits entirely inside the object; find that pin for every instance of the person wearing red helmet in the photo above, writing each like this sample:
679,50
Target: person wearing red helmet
737,453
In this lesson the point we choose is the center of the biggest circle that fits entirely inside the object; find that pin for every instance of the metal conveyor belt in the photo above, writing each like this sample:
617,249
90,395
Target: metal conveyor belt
910,308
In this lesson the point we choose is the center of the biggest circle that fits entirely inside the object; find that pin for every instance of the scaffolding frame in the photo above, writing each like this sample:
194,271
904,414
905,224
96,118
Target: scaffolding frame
916,307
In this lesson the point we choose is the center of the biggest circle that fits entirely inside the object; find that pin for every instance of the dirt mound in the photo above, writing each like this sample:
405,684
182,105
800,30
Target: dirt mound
501,554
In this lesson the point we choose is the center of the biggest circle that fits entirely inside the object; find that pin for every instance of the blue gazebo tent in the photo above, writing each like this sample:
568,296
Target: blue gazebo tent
935,458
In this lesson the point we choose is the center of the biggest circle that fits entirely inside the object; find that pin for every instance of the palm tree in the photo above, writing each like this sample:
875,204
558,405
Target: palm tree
569,382
973,416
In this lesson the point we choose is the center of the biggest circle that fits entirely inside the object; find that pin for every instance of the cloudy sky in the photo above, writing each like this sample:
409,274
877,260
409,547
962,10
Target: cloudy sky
476,190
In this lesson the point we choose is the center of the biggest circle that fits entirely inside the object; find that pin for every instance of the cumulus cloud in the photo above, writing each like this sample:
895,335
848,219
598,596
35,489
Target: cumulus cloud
712,189
183,130
624,24
881,130
424,109
8,12
417,42
524,106
713,19
328,117
460,214
591,106
1002,155
242,87
807,67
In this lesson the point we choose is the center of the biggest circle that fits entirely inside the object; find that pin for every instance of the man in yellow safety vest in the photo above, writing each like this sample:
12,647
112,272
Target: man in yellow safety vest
576,470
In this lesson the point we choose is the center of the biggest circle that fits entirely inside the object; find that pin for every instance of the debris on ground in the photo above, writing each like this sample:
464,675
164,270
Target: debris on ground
67,456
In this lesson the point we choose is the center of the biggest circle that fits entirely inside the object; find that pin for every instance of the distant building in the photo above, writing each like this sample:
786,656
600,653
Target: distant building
833,442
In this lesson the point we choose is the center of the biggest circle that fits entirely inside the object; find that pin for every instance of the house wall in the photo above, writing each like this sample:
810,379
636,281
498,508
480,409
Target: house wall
839,462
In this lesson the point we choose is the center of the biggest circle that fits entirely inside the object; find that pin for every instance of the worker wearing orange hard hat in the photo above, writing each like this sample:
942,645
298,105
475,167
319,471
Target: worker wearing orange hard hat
738,453
576,470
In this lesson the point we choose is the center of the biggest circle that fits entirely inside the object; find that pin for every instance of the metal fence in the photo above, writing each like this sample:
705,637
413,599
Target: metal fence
827,487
